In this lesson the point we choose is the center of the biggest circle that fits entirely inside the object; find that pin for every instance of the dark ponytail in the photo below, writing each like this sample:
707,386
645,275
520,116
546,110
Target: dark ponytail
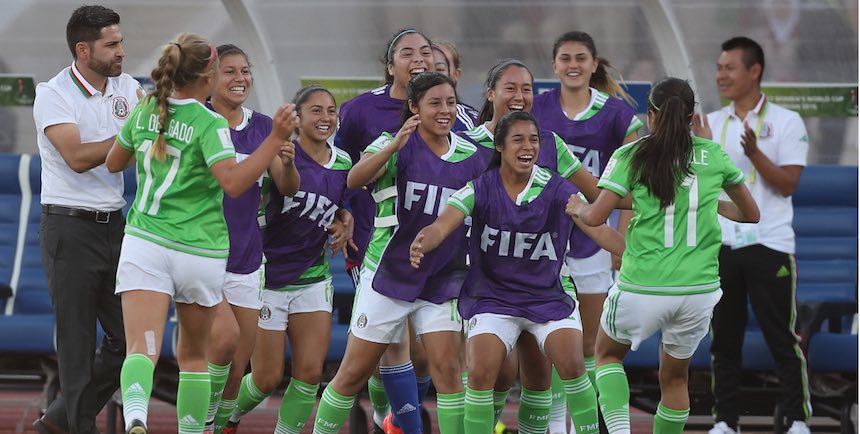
493,76
662,160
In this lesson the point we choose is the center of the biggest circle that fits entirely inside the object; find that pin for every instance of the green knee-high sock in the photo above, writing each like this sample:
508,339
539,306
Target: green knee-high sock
478,417
296,407
225,409
464,377
249,398
533,416
332,413
591,370
450,412
558,411
614,392
499,401
669,421
582,402
378,400
218,377
135,380
192,401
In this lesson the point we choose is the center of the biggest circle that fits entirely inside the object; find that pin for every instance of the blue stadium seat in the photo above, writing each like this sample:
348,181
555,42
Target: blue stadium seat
10,217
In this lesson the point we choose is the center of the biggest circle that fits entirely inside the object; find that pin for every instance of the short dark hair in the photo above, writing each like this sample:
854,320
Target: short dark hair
86,24
752,51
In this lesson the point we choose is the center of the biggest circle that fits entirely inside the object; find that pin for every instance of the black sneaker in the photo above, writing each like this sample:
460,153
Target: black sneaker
136,427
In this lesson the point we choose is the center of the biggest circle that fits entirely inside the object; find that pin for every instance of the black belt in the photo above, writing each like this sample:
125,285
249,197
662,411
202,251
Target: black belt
84,214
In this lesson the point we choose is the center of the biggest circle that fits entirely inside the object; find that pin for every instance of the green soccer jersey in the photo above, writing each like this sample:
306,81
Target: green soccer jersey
673,250
178,203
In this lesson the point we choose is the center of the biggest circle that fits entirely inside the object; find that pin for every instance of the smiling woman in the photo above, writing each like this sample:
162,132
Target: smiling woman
517,224
235,321
412,173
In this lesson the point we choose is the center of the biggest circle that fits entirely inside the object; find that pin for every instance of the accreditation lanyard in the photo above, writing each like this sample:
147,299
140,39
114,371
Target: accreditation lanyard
752,177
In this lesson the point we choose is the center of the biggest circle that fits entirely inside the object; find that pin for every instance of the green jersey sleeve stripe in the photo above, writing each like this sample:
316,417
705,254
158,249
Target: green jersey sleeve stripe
635,125
739,179
456,203
380,142
615,188
223,155
125,143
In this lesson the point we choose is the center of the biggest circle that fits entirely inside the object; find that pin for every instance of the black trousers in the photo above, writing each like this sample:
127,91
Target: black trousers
80,259
766,279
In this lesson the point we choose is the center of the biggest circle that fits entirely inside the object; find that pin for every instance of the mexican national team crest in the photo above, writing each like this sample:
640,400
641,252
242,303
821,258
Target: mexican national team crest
120,107
361,322
265,313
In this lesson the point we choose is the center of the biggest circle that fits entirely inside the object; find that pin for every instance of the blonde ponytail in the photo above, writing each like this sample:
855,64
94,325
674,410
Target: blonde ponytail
183,61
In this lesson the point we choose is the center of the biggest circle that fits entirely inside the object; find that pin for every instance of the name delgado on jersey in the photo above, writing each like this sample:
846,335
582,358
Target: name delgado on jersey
175,129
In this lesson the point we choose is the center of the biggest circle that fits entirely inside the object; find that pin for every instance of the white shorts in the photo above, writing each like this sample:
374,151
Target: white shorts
591,275
508,328
630,318
382,319
279,305
187,278
244,290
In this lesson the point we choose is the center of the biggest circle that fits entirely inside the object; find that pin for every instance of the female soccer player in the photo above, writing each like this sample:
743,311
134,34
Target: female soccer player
519,238
589,112
413,174
669,272
235,325
297,299
509,88
176,242
362,120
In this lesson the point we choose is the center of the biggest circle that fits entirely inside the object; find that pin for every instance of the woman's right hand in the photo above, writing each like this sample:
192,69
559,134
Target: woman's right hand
406,130
285,121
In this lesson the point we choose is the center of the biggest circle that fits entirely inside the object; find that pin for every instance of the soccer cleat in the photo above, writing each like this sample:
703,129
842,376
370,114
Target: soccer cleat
230,428
388,425
723,428
377,429
209,428
136,427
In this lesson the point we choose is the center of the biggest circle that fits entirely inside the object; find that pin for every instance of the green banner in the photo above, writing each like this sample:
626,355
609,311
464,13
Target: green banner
17,90
814,100
343,88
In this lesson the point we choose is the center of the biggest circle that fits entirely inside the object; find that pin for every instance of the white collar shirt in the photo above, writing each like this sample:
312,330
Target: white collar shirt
783,139
69,98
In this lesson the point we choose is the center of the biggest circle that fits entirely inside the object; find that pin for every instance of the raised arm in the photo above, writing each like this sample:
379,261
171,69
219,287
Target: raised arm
742,207
235,177
372,164
594,214
431,236
283,170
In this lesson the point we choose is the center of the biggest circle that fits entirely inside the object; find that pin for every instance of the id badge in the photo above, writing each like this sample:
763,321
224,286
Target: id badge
745,235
